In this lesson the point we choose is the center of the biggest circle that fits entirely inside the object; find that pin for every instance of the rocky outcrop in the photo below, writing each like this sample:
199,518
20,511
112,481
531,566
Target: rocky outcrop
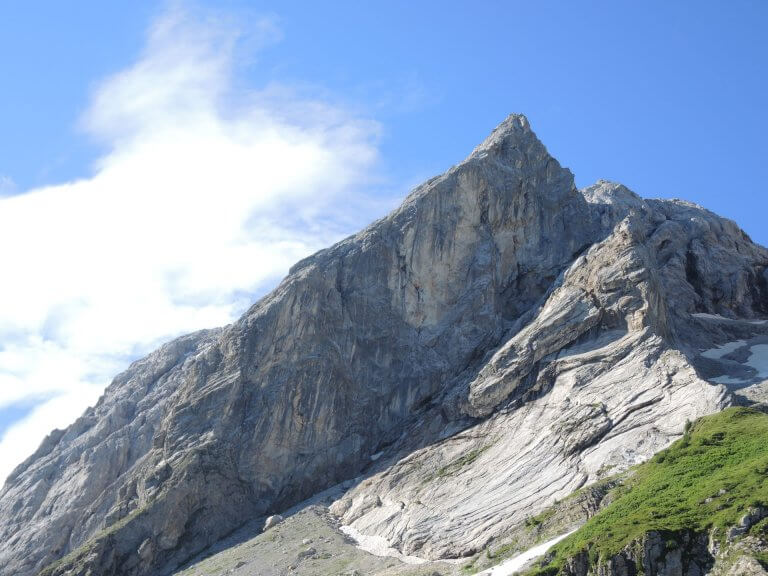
747,566
752,517
499,340
680,553
656,554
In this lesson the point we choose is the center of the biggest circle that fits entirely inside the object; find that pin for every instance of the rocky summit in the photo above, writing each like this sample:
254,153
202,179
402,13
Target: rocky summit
432,385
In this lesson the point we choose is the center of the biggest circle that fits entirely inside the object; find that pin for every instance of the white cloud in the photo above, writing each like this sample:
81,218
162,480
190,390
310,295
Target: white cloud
206,193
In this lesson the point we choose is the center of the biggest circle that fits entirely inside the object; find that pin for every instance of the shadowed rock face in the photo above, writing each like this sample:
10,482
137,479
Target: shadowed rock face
501,338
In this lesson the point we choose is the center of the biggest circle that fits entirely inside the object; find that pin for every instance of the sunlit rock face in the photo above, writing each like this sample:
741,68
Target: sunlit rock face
496,342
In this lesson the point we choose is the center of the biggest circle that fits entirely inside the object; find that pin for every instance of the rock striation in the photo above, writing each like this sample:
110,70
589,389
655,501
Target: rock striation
499,340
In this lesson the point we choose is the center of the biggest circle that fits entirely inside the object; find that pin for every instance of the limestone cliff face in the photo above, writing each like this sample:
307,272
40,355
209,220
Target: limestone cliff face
498,340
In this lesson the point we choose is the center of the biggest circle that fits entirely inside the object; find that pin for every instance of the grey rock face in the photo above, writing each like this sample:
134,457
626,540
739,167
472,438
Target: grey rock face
656,554
752,517
747,566
499,340
598,377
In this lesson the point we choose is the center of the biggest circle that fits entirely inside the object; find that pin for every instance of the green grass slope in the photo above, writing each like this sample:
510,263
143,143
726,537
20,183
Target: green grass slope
707,479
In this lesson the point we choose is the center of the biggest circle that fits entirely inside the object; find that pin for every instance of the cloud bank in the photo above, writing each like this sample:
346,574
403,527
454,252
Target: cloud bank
207,193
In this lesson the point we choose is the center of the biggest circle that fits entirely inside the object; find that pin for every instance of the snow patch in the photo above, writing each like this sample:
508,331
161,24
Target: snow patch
723,350
509,567
758,359
379,546
718,317
705,316
727,380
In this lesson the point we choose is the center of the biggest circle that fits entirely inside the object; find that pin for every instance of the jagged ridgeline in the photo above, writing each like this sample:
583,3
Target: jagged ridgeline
498,342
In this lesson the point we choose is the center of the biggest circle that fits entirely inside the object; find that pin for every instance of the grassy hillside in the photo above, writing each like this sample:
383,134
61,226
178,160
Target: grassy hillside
708,479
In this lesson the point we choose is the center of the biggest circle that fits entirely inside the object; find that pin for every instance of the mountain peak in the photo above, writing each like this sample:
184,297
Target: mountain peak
498,328
511,133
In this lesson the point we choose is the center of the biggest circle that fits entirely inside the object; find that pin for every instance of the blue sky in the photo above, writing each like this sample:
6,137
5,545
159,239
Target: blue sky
112,117
666,97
